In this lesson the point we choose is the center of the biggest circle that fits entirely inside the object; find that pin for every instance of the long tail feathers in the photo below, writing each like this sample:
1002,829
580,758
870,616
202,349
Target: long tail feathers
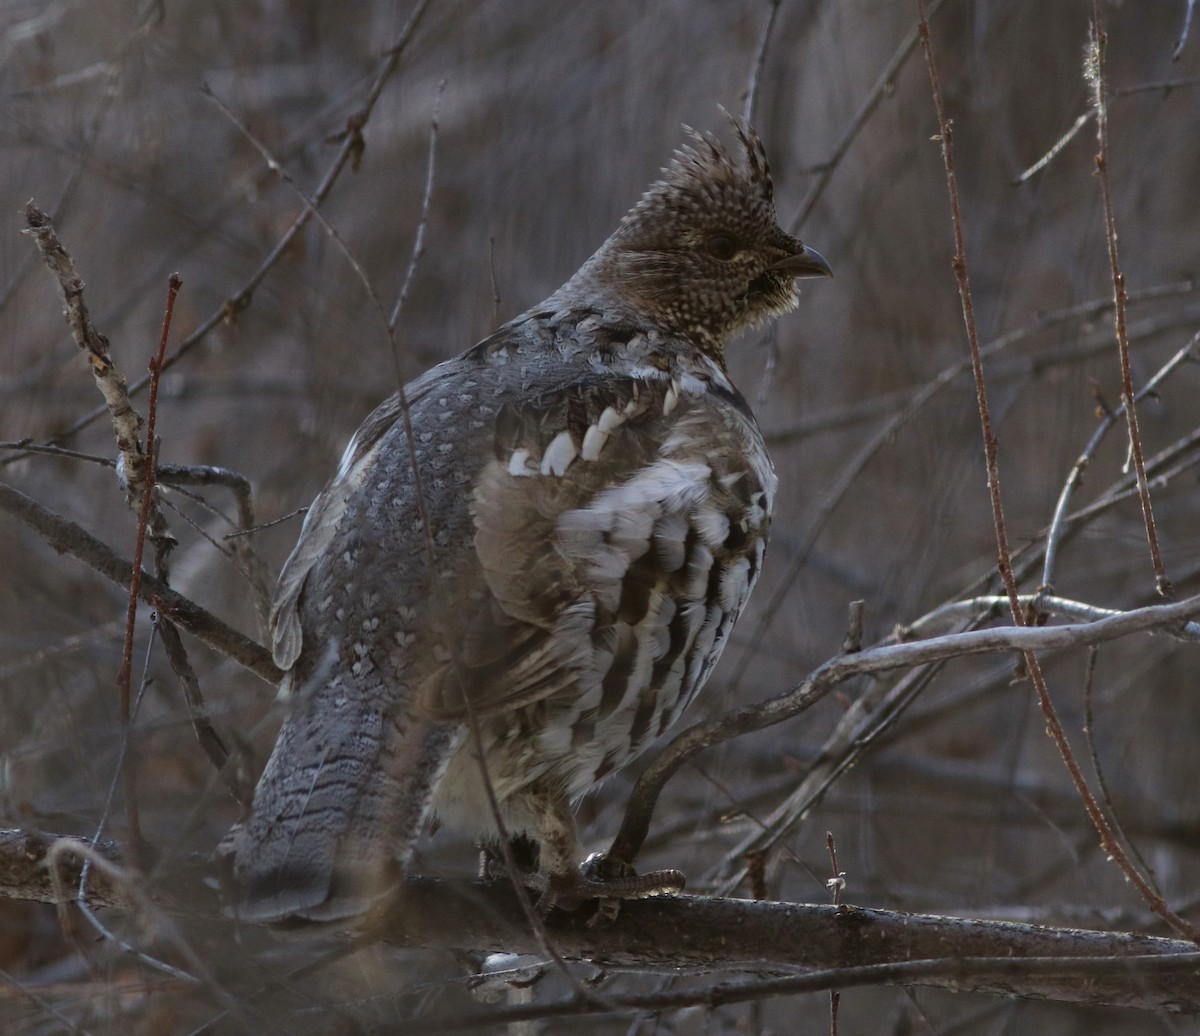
335,814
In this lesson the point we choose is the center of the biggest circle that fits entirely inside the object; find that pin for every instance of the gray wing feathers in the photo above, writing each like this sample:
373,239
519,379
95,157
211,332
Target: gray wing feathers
578,533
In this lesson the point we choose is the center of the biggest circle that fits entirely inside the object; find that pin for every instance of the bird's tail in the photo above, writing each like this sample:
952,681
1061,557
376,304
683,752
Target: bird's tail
335,813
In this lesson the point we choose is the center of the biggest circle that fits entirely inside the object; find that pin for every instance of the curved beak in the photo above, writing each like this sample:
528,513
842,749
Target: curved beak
807,262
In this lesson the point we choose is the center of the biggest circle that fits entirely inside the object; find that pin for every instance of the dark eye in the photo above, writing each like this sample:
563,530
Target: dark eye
721,246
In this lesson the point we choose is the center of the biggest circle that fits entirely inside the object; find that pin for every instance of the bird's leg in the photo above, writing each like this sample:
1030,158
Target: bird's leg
567,884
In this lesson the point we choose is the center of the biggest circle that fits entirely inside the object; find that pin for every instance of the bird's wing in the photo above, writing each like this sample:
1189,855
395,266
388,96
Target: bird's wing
321,523
610,527
593,543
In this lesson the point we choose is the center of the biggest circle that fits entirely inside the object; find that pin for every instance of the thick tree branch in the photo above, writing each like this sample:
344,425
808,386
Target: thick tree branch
25,874
710,933
693,932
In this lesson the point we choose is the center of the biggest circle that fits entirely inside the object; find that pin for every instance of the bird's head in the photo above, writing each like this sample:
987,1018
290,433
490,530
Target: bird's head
702,255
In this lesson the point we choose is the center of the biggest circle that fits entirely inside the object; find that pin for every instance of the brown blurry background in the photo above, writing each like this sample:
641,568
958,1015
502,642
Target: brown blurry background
553,119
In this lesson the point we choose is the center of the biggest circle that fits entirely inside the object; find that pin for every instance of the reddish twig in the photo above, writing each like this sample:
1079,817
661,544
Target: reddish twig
1108,841
135,579
1094,68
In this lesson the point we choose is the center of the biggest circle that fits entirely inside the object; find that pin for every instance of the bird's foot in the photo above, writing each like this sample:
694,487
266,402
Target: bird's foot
608,880
523,852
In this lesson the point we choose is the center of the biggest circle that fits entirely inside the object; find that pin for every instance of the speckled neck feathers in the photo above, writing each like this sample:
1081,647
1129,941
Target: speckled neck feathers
699,255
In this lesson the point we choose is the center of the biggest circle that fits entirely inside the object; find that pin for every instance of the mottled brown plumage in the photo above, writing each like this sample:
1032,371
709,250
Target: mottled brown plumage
598,497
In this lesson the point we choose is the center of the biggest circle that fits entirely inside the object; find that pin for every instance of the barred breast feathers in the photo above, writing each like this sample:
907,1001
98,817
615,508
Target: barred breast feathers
600,502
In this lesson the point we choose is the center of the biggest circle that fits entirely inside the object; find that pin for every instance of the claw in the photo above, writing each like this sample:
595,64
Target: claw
609,881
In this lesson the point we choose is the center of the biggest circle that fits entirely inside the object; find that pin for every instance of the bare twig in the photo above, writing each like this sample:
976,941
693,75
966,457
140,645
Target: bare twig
1108,841
157,925
146,482
206,733
840,668
998,974
29,446
1095,72
911,401
1075,478
1187,26
873,713
352,146
492,276
865,110
837,882
418,249
126,422
299,512
1155,86
117,877
1055,149
835,885
68,538
854,628
962,276
760,59
1089,732
1046,604
252,565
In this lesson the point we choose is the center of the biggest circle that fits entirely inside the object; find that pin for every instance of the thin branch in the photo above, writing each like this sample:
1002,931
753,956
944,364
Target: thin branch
126,422
908,400
877,93
27,446
760,59
117,876
759,715
1189,352
418,248
1157,85
1095,72
206,733
1187,27
146,501
252,565
1054,728
865,721
1006,975
1089,733
350,153
66,537
1055,149
1047,605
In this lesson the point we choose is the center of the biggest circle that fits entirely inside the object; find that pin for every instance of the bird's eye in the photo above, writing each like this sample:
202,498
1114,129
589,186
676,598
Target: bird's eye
721,246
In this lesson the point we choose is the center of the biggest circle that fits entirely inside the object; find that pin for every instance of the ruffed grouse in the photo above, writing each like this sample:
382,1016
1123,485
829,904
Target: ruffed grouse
597,496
